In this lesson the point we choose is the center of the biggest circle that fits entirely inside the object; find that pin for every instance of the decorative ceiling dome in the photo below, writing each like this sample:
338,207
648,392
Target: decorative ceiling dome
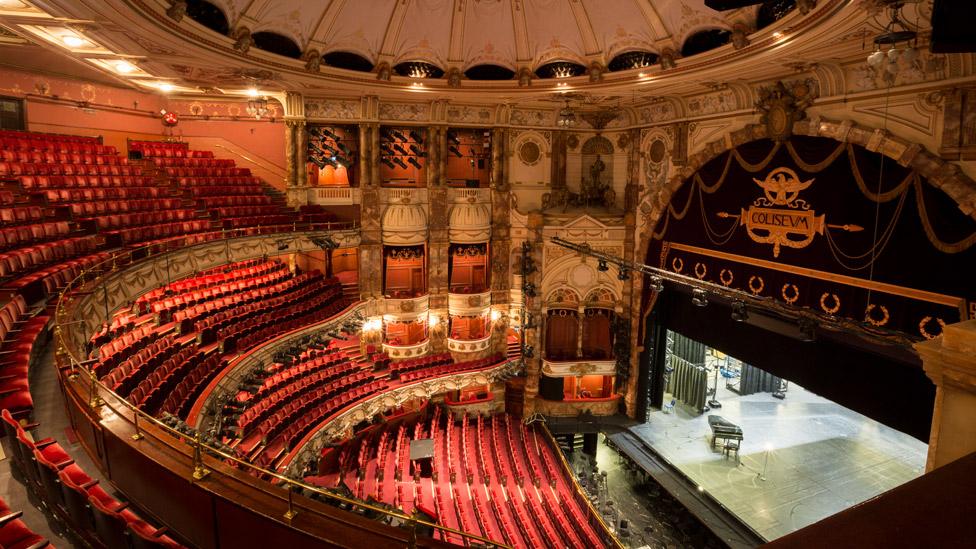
404,224
470,223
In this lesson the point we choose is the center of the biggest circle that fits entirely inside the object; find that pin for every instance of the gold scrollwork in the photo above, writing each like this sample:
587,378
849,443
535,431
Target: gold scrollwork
791,299
756,290
726,281
830,309
922,327
704,270
677,264
876,321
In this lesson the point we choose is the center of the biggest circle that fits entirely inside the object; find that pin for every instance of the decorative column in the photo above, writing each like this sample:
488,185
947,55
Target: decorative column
950,362
438,245
627,319
500,246
295,195
374,154
365,167
533,312
301,156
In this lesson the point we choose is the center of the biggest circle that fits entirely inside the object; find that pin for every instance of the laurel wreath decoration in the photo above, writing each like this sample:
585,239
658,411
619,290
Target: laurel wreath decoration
677,264
830,309
792,296
725,281
756,290
704,271
870,319
923,327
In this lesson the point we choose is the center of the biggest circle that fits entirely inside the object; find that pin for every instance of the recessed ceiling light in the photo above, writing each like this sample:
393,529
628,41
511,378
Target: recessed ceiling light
165,86
252,92
124,67
777,35
73,41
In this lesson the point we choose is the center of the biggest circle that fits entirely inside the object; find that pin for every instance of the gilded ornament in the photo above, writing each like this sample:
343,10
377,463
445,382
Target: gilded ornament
923,327
677,264
725,276
702,271
870,319
756,289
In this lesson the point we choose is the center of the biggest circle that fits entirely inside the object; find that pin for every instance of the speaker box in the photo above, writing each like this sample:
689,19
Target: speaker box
951,30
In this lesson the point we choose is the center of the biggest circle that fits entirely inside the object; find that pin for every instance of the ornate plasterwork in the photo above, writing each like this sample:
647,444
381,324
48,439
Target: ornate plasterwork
655,113
401,352
333,109
573,408
470,223
470,114
407,112
406,309
469,345
468,304
577,368
532,117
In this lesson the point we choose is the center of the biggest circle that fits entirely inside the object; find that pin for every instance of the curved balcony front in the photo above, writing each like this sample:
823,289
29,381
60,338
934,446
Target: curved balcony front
401,352
468,304
469,345
406,308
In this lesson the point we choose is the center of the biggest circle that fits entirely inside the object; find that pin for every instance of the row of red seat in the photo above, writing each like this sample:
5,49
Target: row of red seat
130,372
192,162
207,172
334,362
166,149
247,211
212,180
52,137
37,262
100,194
15,534
51,157
32,183
157,232
20,328
19,169
258,221
58,146
76,498
235,201
164,308
187,318
21,214
122,206
220,190
206,279
116,221
22,235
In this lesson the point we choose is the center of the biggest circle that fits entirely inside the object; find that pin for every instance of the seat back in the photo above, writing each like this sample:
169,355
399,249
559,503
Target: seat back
109,525
76,502
49,480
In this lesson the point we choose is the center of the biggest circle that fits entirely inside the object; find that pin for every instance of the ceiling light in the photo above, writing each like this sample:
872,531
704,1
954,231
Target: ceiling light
252,92
124,67
73,41
699,298
567,118
602,266
165,86
777,35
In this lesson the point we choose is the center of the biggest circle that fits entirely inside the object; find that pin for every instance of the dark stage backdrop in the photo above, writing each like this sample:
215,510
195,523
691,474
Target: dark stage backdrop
806,222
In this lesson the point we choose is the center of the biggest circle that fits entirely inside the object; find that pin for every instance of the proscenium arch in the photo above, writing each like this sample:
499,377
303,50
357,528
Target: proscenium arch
941,174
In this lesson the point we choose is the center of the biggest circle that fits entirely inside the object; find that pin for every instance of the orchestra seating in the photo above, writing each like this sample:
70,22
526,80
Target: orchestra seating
163,350
492,476
72,496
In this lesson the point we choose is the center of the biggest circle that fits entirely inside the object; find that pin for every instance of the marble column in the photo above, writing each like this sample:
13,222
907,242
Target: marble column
950,362
627,317
290,177
374,154
533,308
365,167
439,242
301,154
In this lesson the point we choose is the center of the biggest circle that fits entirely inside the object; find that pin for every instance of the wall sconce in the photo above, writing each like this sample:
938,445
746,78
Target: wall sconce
373,325
699,298
495,315
602,266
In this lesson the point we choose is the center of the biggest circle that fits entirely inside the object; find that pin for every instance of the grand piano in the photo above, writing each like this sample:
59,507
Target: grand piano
723,429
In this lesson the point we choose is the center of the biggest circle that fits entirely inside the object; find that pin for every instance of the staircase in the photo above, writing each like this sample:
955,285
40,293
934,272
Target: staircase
514,350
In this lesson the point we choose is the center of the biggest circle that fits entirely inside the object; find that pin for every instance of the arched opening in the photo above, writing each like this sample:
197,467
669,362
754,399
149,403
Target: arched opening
773,10
560,69
418,69
348,60
208,15
705,40
634,59
277,43
489,72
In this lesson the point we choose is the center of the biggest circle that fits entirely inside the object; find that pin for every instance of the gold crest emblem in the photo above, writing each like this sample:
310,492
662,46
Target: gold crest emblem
794,224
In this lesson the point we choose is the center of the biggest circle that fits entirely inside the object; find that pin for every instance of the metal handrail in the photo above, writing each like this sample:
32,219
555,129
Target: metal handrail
195,444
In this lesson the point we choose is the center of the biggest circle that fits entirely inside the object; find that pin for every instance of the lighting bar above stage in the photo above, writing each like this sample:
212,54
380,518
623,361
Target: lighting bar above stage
743,303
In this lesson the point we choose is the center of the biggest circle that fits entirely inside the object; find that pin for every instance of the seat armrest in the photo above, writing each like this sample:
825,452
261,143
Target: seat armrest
63,464
89,484
41,444
160,532
8,518
39,545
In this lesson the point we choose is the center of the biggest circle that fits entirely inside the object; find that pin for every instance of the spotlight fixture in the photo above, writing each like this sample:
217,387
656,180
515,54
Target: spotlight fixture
699,298
624,274
124,67
602,266
739,313
657,284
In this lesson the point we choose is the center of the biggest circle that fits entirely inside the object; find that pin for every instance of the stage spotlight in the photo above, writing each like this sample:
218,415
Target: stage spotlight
739,313
657,284
699,297
602,266
624,274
